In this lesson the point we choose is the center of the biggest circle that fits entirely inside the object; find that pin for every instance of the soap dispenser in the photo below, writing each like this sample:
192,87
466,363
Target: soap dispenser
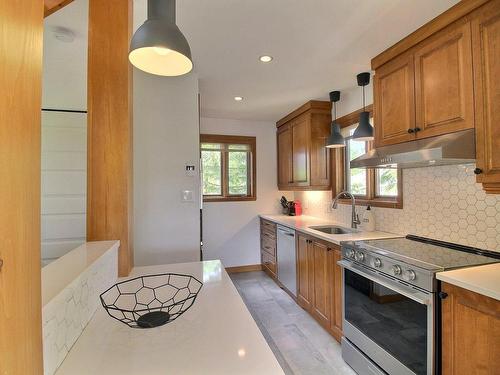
368,222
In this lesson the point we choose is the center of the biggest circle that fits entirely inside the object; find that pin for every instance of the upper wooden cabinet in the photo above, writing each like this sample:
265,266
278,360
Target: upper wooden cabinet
428,90
284,137
443,78
394,90
486,60
444,95
303,159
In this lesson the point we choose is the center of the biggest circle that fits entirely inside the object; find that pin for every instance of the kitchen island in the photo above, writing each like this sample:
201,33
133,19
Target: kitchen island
217,335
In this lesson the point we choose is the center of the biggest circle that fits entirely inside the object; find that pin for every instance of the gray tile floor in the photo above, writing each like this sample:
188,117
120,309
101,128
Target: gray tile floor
299,343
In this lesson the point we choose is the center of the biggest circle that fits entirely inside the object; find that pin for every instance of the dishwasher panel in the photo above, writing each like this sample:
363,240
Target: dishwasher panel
287,263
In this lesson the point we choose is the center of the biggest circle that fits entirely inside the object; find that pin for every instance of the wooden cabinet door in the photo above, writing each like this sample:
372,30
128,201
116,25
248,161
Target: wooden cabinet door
284,156
336,293
486,55
321,284
304,272
470,333
300,151
394,85
320,155
444,95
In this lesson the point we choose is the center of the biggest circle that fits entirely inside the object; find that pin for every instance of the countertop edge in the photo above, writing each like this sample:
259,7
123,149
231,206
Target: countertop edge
363,235
452,277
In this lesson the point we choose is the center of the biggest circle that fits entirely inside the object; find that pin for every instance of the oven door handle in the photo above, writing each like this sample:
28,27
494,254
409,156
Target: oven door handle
415,295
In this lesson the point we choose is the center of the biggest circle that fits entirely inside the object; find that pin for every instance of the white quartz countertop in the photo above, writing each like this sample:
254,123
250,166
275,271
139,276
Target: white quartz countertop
303,222
58,274
217,335
484,280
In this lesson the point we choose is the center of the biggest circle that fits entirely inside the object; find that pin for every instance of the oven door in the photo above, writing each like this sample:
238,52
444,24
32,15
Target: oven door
391,322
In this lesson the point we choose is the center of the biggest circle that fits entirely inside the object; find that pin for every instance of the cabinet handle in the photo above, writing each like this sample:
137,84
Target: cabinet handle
1,264
442,295
328,249
417,129
478,171
411,130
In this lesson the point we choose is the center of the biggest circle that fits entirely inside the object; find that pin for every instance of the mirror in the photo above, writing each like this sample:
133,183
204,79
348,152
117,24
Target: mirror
64,131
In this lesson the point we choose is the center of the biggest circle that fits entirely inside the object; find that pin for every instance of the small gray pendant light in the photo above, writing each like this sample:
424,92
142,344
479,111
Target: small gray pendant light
364,130
335,139
158,46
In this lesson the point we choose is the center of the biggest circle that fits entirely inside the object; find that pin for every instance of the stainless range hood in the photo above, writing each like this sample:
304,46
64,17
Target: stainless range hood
454,148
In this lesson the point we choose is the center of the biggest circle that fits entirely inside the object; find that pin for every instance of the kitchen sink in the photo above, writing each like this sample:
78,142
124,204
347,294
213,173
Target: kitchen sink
334,229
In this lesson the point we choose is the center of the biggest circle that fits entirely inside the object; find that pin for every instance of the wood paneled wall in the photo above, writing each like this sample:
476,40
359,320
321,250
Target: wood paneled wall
109,189
21,38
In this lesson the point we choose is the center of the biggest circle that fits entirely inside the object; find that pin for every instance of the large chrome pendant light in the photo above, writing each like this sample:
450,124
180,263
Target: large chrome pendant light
158,46
364,131
335,139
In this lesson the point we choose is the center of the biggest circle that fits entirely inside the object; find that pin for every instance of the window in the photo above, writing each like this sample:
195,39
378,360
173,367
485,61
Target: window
376,187
228,167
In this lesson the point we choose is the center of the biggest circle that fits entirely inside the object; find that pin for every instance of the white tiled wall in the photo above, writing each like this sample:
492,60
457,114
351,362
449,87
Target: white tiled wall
64,181
67,314
443,203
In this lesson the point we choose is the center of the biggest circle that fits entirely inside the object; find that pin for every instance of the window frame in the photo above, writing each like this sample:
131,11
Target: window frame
251,171
339,172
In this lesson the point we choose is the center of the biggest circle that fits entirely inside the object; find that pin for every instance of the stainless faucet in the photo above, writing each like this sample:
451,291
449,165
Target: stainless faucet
355,217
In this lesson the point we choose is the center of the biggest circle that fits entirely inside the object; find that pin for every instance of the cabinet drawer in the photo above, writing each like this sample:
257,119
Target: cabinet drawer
268,226
268,245
269,262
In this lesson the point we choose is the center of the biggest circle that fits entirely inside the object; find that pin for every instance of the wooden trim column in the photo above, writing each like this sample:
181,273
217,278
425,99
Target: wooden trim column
109,181
21,40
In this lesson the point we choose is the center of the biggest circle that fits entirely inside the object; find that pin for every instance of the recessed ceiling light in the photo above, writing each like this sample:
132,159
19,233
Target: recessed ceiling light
266,58
238,98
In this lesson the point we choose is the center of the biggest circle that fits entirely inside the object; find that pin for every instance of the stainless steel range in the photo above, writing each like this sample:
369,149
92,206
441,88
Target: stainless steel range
390,309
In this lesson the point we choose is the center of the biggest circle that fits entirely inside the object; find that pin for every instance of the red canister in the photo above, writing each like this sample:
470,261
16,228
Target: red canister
298,208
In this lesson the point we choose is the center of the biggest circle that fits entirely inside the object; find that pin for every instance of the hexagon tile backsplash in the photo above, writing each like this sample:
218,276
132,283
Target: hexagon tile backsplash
442,202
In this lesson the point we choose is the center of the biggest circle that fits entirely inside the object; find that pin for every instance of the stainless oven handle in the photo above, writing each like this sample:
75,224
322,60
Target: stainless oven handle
413,294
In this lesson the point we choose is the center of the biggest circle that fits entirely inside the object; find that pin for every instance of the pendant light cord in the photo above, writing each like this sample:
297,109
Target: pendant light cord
364,108
335,111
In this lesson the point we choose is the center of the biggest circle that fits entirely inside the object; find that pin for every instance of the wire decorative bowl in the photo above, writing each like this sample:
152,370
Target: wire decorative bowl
152,300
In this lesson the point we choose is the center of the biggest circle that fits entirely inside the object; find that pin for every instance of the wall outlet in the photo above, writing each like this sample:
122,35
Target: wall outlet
187,196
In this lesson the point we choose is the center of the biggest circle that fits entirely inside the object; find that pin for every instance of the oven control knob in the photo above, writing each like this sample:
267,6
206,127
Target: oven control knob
359,256
396,270
377,263
410,275
350,253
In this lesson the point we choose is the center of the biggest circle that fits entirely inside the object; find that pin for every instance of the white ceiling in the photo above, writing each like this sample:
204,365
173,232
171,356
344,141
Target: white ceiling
317,45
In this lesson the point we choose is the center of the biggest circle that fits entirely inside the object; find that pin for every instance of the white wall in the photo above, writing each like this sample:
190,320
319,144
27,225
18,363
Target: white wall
352,99
166,138
231,229
64,183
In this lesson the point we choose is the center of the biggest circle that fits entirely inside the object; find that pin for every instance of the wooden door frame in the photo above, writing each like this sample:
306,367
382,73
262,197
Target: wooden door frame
20,167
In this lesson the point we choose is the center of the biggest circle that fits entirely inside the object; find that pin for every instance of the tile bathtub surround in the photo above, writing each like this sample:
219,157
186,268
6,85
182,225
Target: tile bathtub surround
91,268
442,202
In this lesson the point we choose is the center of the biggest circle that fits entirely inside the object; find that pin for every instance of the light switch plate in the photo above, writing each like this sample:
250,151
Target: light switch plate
190,170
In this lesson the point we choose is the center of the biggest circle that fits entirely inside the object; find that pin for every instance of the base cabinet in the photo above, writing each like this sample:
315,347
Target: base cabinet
304,272
470,333
268,247
319,280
